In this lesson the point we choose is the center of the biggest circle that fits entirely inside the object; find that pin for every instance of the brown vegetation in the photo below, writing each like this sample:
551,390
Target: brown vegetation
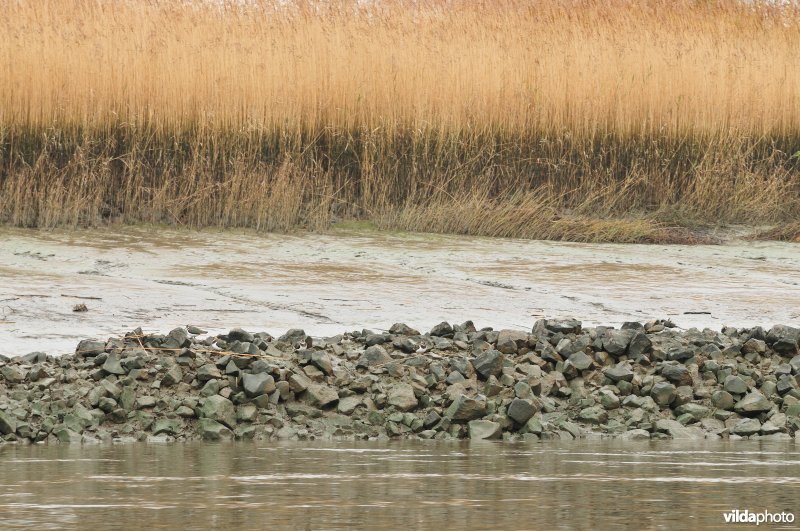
568,119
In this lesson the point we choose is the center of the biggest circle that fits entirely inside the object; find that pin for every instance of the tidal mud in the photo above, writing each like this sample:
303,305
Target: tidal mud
162,279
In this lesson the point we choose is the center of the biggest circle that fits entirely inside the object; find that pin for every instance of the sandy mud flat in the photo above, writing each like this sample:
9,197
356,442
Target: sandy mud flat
160,279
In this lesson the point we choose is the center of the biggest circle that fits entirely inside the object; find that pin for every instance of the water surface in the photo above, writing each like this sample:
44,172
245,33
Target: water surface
576,485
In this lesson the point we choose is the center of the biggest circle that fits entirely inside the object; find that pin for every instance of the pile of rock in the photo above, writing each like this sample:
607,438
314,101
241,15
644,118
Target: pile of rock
559,381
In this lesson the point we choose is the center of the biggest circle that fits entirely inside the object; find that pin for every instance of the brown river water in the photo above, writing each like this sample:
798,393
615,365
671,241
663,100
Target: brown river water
424,485
331,283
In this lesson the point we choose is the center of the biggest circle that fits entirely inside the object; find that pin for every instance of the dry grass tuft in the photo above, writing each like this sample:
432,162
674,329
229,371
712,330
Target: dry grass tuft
598,120
784,233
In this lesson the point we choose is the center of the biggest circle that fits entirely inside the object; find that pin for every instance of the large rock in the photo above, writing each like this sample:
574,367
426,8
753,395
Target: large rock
734,385
238,334
90,348
257,384
8,423
616,342
695,411
677,374
521,410
402,397
465,408
747,427
323,362
443,329
784,339
593,414
490,363
112,365
207,372
753,404
167,426
640,345
636,435
619,373
580,361
320,396
608,399
676,430
14,374
173,376
722,400
663,393
220,409
484,429
374,355
564,326
211,430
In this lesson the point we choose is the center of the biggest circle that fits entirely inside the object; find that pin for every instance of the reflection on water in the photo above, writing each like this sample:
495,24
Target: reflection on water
586,485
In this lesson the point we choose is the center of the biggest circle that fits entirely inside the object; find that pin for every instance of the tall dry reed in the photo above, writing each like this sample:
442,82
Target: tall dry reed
548,118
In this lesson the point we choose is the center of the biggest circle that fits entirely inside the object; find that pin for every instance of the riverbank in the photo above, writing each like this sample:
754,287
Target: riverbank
558,381
157,278
572,121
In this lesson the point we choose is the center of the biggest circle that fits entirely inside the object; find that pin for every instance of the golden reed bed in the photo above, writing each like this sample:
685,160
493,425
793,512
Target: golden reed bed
581,120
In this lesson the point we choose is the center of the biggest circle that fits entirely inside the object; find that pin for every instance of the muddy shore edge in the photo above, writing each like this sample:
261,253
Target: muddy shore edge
558,381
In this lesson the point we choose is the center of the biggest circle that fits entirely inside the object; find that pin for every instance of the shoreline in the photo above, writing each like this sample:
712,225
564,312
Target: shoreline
558,381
